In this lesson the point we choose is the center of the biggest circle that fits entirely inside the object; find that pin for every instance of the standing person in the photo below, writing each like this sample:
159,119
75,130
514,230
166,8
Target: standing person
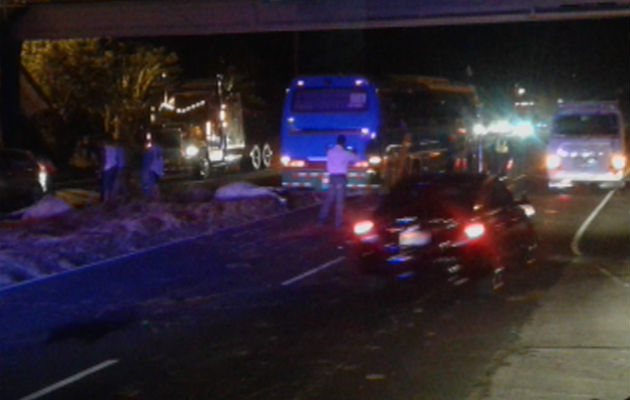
109,169
120,183
152,170
502,155
337,161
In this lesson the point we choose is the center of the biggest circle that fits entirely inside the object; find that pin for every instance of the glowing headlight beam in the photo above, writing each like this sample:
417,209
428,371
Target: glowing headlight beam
192,151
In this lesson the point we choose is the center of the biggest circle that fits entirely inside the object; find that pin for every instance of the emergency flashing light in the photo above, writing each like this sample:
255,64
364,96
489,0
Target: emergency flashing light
524,130
479,129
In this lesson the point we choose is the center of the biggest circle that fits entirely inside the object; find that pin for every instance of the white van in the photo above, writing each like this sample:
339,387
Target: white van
587,144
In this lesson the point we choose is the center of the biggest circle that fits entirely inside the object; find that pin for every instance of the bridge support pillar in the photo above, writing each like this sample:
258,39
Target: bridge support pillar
10,48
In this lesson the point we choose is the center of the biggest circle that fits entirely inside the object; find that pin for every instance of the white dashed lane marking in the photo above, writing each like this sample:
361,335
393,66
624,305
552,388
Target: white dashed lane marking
65,382
313,271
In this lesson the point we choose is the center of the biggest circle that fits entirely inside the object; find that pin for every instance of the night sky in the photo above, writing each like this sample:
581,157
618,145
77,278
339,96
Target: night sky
579,60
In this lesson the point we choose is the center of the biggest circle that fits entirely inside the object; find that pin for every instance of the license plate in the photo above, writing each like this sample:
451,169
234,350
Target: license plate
414,237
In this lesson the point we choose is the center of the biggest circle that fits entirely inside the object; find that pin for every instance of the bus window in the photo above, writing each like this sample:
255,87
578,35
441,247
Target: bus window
329,100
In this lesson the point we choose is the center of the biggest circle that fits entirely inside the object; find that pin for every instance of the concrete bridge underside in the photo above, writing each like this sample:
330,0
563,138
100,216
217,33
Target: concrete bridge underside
68,19
134,18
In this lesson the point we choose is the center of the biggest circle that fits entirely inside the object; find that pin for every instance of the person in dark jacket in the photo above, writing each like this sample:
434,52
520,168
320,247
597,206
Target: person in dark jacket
152,170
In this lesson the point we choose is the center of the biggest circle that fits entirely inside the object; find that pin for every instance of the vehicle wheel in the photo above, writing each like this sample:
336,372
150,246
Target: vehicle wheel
492,284
267,155
203,168
531,255
255,156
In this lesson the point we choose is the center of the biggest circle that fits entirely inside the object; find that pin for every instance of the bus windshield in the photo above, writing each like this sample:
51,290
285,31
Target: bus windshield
586,124
329,100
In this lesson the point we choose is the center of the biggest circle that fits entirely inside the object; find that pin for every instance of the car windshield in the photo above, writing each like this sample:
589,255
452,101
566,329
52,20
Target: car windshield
588,124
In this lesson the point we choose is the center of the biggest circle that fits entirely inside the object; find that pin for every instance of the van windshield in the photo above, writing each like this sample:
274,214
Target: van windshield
586,124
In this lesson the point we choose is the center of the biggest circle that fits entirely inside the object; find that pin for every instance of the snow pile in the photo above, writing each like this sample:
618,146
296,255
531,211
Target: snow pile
49,206
71,238
244,190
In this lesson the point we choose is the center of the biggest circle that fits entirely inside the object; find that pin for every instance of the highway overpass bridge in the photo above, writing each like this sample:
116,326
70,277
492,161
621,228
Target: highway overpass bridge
27,20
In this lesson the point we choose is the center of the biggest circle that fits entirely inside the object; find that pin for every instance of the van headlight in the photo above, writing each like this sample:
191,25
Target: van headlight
553,161
618,162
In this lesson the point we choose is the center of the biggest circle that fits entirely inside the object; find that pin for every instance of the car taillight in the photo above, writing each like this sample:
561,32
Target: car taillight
363,227
474,230
553,161
375,160
297,163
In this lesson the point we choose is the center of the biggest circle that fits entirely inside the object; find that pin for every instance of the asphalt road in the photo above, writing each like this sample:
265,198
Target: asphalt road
272,310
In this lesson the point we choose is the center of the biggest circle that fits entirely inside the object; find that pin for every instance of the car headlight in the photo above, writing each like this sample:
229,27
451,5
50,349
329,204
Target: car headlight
191,151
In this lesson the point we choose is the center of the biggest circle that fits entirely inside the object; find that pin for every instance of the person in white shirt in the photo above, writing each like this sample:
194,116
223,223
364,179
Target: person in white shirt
338,159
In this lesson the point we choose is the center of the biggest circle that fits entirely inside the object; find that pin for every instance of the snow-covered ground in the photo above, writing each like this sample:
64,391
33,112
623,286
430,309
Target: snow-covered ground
54,236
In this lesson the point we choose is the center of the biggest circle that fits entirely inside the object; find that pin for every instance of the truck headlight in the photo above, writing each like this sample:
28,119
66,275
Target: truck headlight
191,151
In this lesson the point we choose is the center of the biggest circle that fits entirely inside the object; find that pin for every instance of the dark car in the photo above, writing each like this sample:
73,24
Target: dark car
22,179
460,226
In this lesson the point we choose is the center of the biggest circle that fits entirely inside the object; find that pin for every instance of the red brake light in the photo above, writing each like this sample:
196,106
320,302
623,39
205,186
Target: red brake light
297,163
474,230
363,227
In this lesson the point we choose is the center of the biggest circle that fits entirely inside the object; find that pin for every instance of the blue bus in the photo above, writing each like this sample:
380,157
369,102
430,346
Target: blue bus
375,116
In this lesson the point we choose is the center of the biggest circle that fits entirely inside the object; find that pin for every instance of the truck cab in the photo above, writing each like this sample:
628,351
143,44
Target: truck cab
587,144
